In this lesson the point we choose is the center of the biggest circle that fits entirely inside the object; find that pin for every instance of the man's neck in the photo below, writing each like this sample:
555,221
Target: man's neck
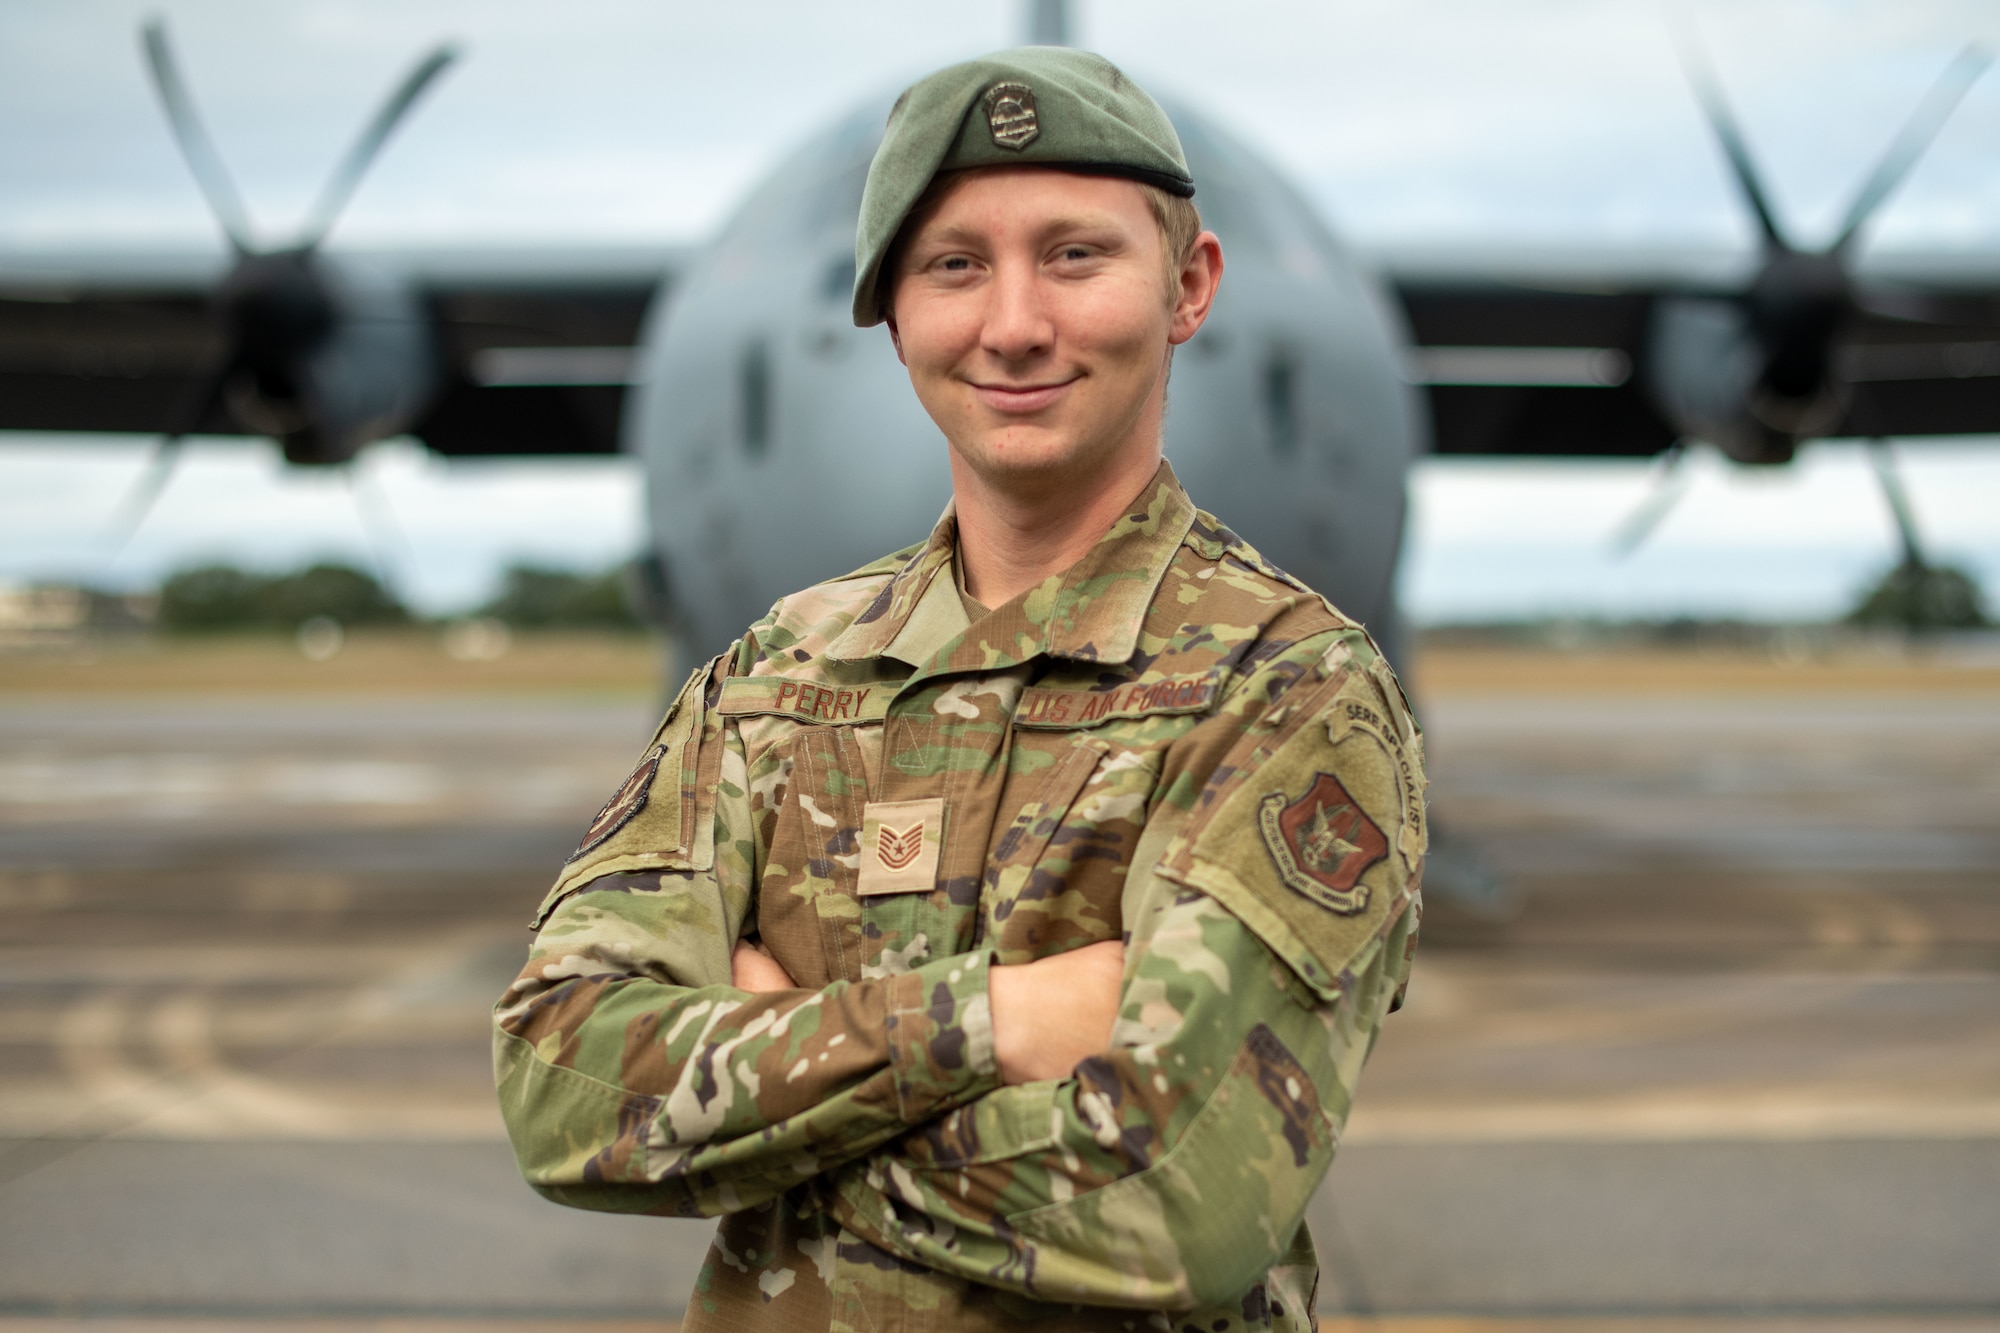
1011,537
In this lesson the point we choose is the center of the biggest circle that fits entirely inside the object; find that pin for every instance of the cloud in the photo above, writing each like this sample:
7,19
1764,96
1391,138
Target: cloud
1554,122
1532,119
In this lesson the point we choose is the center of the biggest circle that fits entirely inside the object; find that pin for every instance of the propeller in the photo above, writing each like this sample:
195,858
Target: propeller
277,306
1759,372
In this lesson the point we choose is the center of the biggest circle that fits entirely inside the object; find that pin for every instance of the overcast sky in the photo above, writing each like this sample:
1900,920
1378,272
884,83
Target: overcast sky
1462,123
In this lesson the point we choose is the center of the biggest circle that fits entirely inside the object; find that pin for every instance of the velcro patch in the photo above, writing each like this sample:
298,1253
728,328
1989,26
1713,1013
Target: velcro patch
629,800
806,700
1058,709
1355,715
1306,836
900,842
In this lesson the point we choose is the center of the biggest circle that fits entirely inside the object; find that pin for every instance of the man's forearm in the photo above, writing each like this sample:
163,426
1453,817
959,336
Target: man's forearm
634,1093
1167,1172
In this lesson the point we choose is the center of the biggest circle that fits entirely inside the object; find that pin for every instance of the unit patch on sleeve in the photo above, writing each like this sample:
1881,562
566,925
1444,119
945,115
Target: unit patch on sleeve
629,801
1322,843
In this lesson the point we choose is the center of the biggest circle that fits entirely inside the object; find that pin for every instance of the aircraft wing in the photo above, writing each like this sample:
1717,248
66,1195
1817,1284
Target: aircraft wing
536,346
1545,354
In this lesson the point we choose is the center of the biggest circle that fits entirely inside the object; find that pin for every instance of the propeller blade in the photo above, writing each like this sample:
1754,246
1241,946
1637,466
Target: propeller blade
386,544
1917,133
347,176
1891,480
195,145
1670,483
145,493
1708,92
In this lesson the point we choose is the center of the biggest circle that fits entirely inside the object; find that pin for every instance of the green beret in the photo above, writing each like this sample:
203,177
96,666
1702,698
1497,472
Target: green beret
1036,106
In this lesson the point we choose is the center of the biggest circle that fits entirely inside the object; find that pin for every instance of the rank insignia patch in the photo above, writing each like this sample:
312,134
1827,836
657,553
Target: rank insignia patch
899,849
900,841
629,801
1322,843
1011,115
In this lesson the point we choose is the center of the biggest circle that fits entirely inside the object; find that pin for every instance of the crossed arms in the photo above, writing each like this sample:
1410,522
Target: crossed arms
1136,1123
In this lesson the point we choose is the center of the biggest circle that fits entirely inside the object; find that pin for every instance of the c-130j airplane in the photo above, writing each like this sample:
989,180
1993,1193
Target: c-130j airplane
781,445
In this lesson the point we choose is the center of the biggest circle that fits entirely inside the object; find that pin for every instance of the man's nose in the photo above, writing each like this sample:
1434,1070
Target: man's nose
1018,325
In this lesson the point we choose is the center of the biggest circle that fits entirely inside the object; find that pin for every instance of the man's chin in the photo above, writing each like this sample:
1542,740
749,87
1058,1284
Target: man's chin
1024,451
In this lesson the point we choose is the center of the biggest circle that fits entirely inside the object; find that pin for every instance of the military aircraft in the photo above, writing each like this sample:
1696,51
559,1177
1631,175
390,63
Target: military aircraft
780,444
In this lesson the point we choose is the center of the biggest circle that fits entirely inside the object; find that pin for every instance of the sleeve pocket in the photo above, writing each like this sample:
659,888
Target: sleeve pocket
662,817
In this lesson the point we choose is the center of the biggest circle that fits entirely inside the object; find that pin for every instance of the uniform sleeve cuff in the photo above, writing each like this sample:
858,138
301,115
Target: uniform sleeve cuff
941,1035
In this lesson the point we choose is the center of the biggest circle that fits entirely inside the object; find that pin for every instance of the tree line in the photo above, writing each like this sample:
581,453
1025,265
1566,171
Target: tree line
220,597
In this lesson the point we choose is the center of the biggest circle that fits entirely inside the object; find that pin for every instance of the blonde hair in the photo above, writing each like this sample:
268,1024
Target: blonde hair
1180,228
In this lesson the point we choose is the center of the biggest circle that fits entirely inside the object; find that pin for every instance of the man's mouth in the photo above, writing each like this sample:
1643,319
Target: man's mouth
1019,398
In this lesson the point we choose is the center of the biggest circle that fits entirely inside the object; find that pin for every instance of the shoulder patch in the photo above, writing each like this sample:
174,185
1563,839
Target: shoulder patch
628,801
1312,831
1322,842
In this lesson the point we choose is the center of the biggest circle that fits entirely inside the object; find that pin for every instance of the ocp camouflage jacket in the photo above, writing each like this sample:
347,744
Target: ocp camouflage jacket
1170,741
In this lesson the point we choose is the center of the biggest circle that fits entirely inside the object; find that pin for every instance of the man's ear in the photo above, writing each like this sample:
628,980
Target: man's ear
1200,277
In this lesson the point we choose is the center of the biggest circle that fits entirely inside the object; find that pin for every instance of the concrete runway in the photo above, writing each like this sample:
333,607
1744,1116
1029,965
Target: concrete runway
1736,1064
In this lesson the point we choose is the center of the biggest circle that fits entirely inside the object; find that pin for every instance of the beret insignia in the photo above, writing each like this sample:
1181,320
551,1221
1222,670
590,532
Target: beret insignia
1322,843
629,801
1011,115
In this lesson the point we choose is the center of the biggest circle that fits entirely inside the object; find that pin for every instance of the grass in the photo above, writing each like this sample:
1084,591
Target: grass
414,661
402,661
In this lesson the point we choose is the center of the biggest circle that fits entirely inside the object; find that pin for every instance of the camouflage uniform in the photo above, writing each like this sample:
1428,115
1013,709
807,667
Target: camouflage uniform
1171,742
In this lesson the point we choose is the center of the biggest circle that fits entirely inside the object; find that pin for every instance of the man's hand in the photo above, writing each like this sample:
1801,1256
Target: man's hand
1053,1012
754,970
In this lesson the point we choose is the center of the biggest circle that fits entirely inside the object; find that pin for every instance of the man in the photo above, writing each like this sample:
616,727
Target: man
996,933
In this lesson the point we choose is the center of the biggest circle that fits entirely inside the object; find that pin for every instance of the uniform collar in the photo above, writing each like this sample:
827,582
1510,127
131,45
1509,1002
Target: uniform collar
1090,612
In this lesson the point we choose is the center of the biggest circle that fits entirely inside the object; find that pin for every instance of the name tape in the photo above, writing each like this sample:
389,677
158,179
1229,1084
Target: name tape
808,700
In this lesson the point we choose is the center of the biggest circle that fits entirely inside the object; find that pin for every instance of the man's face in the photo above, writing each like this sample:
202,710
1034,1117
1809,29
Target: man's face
1029,307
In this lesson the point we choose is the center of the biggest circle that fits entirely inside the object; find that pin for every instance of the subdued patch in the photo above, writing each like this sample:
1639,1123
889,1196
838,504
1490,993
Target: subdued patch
627,801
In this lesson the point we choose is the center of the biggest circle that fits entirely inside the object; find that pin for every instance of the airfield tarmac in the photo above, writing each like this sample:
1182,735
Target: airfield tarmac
1734,1064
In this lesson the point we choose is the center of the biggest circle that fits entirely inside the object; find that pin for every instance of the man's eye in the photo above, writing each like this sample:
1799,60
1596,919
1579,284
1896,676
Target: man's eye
955,264
1076,252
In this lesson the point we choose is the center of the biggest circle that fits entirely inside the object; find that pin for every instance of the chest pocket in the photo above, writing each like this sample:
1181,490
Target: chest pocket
1056,874
808,912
